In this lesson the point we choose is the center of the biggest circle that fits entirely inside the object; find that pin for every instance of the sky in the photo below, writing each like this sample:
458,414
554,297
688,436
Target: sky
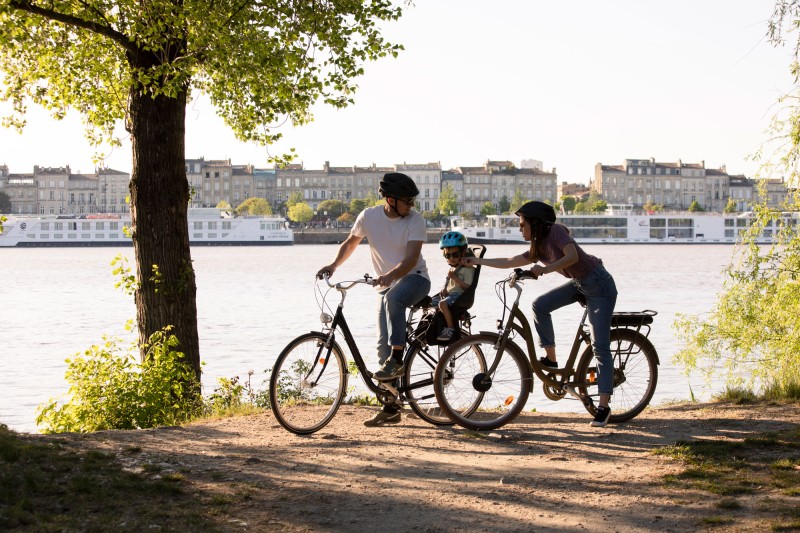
570,84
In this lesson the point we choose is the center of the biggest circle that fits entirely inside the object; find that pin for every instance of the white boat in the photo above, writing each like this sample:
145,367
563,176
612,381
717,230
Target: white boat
207,227
631,228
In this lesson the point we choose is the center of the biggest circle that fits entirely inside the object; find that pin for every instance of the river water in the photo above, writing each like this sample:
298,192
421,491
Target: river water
253,300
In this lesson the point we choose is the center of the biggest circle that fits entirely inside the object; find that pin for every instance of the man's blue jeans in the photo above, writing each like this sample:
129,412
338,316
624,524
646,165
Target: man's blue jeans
601,296
392,308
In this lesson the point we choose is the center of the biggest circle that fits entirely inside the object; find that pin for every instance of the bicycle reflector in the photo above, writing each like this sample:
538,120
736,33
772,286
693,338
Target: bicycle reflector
325,318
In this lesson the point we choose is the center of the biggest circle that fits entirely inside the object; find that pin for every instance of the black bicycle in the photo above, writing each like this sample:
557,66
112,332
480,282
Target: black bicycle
501,389
309,378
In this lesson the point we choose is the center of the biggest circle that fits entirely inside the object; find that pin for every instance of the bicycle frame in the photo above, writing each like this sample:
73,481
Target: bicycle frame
518,323
339,322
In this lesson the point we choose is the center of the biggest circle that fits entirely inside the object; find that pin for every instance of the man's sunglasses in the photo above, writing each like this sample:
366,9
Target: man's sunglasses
408,201
453,255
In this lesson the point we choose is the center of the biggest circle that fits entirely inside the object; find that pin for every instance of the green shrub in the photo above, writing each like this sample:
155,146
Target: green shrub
110,389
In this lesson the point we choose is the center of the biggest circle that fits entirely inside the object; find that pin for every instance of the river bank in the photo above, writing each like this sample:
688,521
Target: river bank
545,472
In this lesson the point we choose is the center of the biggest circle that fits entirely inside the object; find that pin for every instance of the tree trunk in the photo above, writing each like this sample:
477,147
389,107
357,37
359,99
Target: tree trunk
159,201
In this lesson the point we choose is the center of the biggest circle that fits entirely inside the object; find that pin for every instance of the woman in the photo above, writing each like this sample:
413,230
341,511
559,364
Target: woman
553,249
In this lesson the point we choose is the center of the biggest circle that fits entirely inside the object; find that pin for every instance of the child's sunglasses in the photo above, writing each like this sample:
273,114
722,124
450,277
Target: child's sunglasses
453,255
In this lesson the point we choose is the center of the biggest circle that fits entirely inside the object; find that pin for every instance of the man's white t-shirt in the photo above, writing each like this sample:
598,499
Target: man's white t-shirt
388,238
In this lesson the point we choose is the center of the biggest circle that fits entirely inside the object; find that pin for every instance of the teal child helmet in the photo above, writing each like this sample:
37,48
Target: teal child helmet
452,239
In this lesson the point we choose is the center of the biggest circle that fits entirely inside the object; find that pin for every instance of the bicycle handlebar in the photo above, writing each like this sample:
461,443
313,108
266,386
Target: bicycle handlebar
346,285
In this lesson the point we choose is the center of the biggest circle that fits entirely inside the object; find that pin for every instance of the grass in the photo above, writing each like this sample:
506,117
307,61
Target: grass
57,487
764,467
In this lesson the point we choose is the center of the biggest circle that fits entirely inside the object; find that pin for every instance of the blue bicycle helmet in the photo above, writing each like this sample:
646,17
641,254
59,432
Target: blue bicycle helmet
452,239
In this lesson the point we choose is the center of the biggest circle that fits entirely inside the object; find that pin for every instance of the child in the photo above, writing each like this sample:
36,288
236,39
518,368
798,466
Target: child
454,246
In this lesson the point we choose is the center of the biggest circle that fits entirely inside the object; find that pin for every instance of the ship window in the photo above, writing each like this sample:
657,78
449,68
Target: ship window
729,224
100,225
85,236
658,223
72,236
197,235
99,236
85,226
45,226
113,235
212,235
44,236
31,235
212,225
113,225
226,225
657,233
58,236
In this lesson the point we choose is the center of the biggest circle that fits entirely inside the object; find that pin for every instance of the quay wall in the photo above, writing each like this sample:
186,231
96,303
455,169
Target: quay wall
337,236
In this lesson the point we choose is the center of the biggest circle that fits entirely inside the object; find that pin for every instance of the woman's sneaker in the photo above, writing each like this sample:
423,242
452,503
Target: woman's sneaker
446,335
601,418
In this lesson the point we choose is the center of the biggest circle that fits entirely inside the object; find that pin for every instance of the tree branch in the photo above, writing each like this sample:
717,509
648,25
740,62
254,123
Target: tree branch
101,29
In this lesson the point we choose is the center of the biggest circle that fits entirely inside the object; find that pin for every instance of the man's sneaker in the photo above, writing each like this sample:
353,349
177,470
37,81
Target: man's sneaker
446,335
601,418
548,363
391,369
382,418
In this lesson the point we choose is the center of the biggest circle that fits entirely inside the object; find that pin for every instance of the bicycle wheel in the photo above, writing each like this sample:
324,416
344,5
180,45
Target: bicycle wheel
418,382
308,383
635,374
474,399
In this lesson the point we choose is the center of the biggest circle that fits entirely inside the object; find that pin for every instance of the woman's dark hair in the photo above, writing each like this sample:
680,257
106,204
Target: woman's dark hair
539,231
541,217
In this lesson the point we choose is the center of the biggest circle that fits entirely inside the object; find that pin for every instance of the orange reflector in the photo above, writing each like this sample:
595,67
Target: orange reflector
322,360
509,400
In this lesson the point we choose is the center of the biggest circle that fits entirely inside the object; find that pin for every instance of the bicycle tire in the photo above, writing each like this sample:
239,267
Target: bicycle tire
308,383
635,374
418,382
467,397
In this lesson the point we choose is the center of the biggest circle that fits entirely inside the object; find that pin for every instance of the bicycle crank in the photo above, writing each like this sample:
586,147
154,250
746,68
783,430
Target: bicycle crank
586,400
482,382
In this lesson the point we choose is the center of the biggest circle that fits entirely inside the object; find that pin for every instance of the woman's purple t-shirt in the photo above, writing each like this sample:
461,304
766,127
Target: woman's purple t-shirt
557,238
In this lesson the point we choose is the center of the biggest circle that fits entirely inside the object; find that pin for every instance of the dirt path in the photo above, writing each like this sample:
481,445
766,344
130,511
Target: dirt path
546,472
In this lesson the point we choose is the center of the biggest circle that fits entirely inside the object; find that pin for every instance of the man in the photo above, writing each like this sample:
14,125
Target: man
395,233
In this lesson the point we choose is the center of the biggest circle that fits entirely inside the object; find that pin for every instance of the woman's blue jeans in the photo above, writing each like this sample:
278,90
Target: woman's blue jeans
392,308
601,296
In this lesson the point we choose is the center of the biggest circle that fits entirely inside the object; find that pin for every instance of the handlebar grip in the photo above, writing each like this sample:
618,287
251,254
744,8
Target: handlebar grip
524,274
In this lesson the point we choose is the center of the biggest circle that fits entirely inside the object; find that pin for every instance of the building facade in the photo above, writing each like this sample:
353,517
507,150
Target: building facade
676,185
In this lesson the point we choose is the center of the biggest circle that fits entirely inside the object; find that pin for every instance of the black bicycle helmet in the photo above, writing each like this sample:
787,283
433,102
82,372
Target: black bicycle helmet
398,185
539,211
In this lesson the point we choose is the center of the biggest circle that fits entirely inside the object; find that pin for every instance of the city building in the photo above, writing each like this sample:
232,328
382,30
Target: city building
676,185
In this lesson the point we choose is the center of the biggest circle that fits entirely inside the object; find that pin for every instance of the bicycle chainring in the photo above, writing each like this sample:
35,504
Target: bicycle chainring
552,392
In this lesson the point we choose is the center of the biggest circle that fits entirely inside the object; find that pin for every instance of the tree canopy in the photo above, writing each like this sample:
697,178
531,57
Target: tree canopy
752,334
134,64
254,206
447,202
301,212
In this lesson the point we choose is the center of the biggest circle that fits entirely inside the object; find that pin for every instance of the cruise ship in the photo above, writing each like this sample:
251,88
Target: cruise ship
207,227
615,227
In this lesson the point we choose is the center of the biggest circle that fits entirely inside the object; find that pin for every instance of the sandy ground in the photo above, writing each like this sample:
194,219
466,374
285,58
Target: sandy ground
545,472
